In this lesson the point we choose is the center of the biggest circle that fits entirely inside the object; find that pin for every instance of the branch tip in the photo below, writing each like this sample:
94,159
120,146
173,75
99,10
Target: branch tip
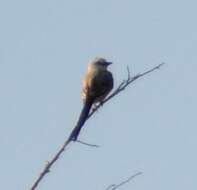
128,72
87,144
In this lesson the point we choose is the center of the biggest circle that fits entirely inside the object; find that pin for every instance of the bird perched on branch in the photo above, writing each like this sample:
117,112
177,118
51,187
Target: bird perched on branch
96,86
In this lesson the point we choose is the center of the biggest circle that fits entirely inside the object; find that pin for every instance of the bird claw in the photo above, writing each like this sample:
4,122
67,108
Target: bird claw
94,107
101,103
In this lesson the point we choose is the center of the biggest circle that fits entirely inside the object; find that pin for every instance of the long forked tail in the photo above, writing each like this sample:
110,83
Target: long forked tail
83,116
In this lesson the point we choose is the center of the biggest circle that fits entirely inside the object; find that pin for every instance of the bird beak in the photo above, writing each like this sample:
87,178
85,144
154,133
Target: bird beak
109,63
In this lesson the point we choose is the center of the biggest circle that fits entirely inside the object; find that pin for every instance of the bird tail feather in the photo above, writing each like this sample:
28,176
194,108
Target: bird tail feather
83,116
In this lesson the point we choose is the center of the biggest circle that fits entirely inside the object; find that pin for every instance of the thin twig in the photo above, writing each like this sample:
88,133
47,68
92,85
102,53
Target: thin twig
116,186
120,88
87,144
128,71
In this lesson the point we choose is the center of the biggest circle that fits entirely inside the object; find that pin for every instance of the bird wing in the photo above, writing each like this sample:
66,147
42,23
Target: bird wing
101,85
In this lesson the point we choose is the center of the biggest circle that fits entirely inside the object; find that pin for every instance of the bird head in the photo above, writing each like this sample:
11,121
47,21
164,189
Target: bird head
101,62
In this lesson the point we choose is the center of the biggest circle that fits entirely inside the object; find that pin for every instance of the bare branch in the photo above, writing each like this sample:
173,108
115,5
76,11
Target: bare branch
123,85
120,88
116,186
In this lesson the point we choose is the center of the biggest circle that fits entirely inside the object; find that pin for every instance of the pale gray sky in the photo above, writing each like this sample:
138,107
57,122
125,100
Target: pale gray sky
45,47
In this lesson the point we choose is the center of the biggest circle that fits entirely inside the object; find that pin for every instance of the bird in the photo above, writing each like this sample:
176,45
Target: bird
97,85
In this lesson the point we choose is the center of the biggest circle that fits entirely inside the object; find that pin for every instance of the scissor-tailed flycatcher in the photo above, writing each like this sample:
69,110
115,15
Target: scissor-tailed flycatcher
96,86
